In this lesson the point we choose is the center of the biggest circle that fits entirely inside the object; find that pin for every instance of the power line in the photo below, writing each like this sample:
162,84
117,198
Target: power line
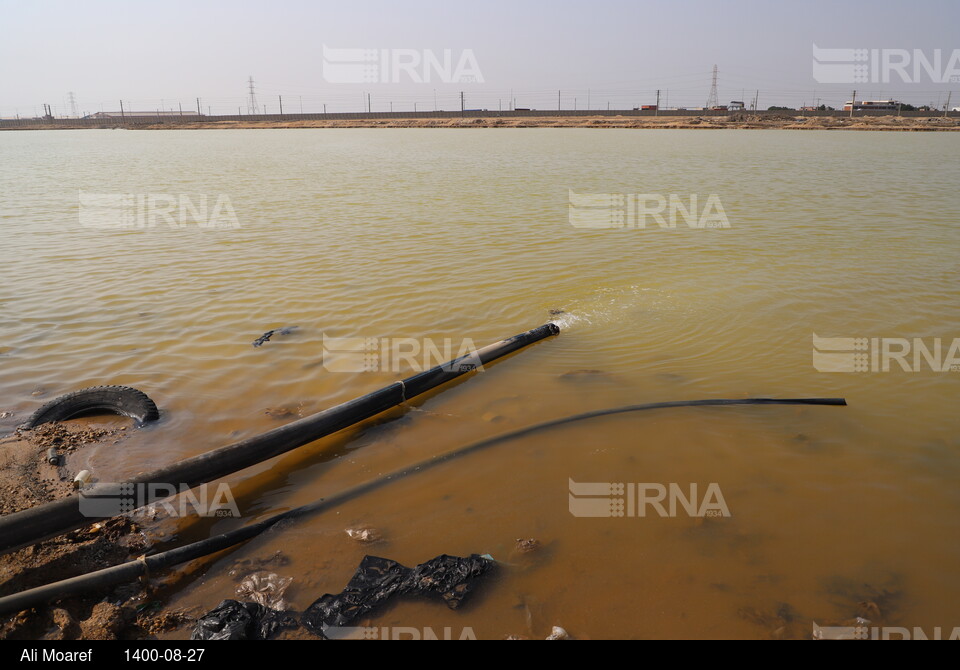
252,107
713,100
73,106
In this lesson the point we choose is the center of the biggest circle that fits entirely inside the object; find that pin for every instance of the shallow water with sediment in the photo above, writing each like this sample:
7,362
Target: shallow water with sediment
429,236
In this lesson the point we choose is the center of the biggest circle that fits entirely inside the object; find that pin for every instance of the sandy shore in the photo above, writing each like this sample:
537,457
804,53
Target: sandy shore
27,480
732,121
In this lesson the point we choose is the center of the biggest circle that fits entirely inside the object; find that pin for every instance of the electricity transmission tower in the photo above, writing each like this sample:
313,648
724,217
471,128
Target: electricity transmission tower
713,100
252,107
73,106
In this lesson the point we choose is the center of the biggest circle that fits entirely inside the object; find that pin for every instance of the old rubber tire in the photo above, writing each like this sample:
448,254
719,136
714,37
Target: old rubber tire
121,400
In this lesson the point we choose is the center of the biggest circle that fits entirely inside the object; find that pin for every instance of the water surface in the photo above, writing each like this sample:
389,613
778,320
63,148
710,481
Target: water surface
464,234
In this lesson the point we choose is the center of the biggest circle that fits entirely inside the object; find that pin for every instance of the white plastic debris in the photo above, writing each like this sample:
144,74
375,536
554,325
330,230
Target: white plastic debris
364,534
265,588
558,634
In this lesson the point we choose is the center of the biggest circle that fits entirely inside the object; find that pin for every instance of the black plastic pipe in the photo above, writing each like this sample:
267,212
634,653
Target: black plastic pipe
55,518
125,572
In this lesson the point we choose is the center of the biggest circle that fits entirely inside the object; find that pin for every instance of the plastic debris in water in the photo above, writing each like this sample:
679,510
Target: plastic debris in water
232,620
379,579
270,333
265,588
525,546
364,534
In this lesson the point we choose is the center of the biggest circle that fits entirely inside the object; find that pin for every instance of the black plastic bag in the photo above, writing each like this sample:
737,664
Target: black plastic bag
378,579
234,620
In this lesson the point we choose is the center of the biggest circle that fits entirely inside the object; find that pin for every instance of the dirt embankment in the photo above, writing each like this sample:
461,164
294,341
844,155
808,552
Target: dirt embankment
27,479
731,121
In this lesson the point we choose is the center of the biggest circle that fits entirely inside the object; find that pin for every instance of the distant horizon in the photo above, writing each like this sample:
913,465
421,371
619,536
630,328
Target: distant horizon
531,54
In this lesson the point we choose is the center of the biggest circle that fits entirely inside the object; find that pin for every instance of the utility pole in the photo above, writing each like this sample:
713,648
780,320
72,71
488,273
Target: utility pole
946,107
713,100
123,116
461,104
301,104
252,107
369,104
559,107
656,111
280,98
199,113
73,106
853,102
324,109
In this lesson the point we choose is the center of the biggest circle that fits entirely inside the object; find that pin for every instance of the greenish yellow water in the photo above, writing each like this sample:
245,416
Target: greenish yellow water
465,234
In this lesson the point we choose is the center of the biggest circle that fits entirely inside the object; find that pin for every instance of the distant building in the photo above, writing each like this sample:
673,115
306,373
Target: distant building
141,115
737,106
872,105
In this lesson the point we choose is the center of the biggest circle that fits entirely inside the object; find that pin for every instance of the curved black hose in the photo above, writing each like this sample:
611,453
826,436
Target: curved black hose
133,569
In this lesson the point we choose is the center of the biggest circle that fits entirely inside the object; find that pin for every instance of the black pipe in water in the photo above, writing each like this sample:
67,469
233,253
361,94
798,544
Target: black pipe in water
33,525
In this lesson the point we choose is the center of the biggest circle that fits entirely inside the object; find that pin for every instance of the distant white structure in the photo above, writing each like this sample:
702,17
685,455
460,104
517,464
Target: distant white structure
141,115
737,106
872,105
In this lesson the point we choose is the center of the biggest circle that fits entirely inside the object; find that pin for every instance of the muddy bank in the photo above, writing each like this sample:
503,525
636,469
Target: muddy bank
734,121
741,121
27,479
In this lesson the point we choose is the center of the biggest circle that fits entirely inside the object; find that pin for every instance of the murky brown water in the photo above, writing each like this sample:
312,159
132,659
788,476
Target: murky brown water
443,234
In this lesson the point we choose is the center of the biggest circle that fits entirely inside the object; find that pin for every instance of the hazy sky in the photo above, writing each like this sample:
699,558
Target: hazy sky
164,53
